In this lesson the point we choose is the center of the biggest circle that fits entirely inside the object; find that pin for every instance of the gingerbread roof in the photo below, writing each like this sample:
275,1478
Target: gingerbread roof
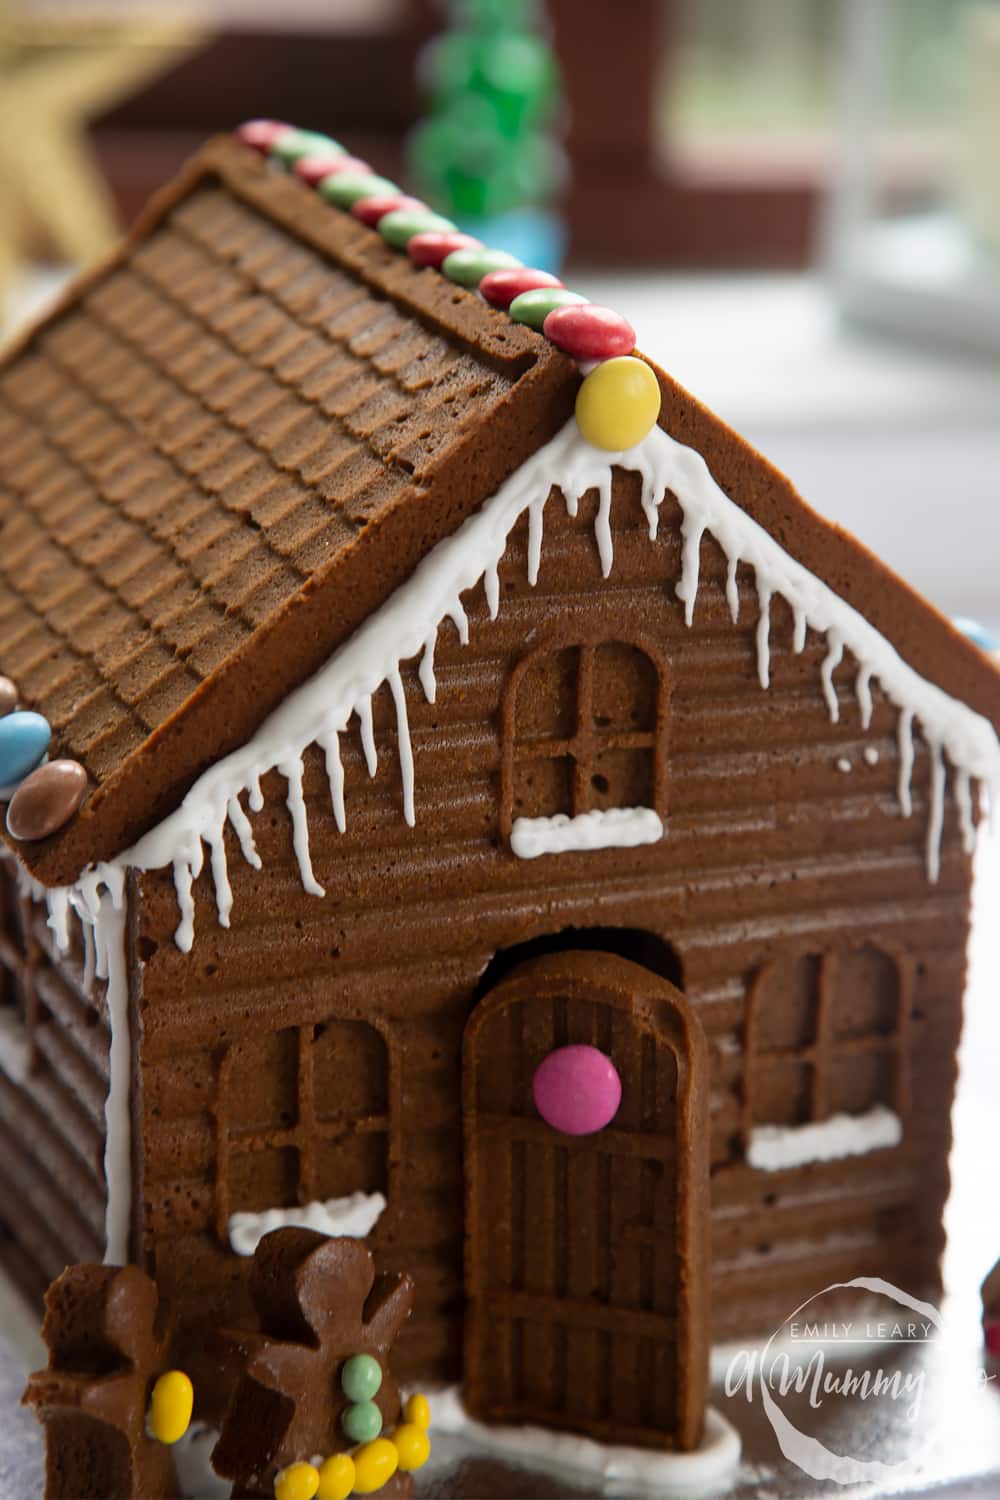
229,445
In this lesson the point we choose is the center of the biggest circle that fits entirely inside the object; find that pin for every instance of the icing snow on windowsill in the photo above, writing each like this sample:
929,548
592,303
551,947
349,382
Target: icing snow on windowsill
608,828
617,1469
774,1148
354,1216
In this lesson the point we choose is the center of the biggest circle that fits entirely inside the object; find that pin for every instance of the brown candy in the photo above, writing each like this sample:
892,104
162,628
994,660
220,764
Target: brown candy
108,1340
8,696
318,1302
47,799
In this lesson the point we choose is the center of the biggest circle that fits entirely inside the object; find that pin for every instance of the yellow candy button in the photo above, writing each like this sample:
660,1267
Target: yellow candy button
374,1466
297,1482
418,1411
336,1477
413,1446
170,1407
618,403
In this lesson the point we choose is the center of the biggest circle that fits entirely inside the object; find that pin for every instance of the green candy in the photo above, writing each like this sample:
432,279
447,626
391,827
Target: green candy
361,1378
294,144
347,188
468,267
362,1422
398,227
534,307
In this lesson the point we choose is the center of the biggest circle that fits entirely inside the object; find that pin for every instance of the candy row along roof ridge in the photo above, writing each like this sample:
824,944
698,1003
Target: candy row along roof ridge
580,328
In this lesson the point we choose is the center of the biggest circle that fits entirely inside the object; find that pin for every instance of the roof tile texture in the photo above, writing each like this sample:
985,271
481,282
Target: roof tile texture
205,428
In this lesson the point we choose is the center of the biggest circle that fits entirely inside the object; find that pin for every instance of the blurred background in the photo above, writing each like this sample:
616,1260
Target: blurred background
796,202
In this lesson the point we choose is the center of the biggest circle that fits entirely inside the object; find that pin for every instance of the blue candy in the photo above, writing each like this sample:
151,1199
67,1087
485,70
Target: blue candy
24,739
976,633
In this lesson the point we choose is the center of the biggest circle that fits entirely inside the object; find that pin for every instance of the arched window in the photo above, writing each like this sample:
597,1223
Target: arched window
826,1065
303,1117
585,743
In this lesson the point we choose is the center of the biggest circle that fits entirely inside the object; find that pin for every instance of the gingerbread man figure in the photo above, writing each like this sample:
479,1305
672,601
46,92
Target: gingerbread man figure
321,1307
107,1388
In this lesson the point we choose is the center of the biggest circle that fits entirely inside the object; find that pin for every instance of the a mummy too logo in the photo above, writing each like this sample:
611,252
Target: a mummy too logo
821,1376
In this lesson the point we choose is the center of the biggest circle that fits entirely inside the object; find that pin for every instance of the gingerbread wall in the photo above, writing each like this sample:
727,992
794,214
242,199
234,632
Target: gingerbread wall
53,1083
314,1047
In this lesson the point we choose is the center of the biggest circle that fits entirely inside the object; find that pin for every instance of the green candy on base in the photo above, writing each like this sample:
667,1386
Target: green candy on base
534,307
347,188
399,226
468,267
293,144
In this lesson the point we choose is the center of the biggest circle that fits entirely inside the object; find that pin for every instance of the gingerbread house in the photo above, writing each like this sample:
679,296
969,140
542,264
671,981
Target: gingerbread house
431,749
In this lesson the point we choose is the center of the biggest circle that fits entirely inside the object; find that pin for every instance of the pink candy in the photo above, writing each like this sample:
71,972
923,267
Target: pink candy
589,332
370,210
313,169
577,1090
261,134
433,248
501,287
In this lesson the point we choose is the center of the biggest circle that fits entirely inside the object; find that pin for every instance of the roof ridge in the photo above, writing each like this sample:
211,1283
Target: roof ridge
533,297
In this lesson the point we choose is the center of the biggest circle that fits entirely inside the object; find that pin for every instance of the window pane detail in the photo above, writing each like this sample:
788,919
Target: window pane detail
543,787
782,1094
827,1036
546,700
787,1017
264,1082
625,688
584,730
867,993
350,1071
304,1117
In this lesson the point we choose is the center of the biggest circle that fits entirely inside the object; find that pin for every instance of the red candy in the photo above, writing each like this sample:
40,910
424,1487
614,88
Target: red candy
313,169
589,332
433,248
992,1337
261,134
370,210
501,287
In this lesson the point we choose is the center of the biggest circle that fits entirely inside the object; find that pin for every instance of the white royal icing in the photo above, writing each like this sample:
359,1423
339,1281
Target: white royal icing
608,828
406,627
656,1471
775,1148
354,1216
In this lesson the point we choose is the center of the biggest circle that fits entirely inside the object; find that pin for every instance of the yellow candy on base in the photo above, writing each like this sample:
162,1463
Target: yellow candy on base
170,1407
418,1411
413,1446
297,1482
618,403
374,1466
336,1477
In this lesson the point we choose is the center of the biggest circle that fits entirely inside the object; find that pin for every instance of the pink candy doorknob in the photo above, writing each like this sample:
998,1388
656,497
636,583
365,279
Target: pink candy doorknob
577,1090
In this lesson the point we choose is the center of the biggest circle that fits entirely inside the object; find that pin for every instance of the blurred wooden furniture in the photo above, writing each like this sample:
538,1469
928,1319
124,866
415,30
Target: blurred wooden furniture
628,203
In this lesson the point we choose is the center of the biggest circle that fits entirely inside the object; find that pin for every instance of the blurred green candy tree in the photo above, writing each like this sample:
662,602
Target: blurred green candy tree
488,147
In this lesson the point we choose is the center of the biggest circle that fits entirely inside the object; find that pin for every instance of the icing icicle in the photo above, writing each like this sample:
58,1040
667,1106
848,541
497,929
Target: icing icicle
405,628
764,634
831,661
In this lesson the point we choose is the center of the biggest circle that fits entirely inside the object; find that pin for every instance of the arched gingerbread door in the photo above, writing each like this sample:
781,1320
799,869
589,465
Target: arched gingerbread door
587,1274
